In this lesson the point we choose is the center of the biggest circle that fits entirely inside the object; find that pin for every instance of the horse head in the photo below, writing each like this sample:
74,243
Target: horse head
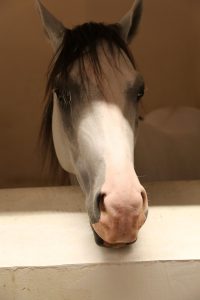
94,89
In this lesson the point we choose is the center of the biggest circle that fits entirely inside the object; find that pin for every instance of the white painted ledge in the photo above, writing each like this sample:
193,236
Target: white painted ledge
47,250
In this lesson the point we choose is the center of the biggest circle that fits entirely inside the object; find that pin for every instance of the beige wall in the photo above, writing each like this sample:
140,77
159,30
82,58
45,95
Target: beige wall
167,51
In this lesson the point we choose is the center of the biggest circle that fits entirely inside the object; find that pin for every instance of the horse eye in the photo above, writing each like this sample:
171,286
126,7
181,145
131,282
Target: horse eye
58,94
64,96
140,93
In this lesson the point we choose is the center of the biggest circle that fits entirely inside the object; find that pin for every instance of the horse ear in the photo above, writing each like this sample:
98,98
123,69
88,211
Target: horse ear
129,23
53,28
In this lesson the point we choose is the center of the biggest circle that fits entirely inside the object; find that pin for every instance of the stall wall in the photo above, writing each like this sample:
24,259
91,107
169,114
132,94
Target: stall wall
166,50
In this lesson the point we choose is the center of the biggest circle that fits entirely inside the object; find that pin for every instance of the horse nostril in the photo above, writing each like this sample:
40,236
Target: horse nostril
144,198
100,202
97,208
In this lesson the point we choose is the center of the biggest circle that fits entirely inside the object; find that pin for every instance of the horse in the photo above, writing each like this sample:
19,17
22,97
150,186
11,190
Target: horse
90,120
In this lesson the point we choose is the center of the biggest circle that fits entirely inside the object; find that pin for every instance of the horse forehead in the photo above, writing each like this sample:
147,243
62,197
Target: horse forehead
117,69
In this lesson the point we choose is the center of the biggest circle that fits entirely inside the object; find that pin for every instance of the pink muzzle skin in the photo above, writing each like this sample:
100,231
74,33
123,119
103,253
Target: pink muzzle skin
122,214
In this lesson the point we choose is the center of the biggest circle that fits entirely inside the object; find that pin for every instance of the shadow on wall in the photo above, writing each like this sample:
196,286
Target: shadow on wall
168,145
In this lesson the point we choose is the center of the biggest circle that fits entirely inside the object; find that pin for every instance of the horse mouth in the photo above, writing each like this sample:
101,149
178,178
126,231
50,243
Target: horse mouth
100,242
117,246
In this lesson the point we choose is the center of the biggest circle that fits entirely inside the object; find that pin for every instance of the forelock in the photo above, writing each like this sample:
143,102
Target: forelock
83,42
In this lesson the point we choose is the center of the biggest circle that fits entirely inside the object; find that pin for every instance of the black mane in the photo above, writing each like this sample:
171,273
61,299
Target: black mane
78,42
